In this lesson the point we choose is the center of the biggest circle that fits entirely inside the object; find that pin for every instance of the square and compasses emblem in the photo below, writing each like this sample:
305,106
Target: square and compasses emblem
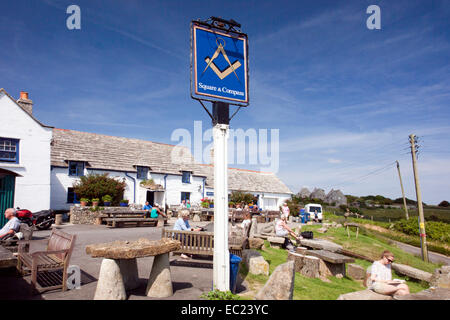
219,65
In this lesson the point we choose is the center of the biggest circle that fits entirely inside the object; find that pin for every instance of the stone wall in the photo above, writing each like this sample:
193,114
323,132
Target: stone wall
84,215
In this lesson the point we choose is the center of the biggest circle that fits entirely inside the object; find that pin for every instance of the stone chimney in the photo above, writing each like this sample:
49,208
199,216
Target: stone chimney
25,103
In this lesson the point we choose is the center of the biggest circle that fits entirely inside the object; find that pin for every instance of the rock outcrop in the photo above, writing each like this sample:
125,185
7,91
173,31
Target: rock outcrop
304,193
318,194
280,285
336,197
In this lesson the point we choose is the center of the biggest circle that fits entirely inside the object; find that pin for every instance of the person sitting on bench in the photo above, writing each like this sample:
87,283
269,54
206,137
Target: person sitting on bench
147,207
283,230
182,224
12,226
156,212
381,277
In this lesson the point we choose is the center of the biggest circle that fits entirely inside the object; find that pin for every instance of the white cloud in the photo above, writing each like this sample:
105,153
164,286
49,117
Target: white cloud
331,160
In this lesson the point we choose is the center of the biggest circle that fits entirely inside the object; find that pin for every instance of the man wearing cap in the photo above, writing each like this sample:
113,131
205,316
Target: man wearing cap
12,226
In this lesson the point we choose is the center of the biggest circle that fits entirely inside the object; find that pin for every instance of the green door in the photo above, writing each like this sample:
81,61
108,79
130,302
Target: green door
7,185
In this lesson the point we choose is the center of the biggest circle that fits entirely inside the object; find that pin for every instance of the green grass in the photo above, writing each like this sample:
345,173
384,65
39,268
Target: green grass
384,214
371,247
435,246
316,289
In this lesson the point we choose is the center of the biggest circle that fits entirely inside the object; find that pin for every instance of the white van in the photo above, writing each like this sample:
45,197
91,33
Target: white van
311,208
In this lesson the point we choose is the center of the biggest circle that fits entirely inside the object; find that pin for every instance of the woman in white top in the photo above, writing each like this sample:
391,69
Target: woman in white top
381,277
283,230
285,210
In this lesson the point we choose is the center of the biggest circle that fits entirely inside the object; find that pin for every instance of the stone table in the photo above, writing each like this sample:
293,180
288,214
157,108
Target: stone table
118,271
321,244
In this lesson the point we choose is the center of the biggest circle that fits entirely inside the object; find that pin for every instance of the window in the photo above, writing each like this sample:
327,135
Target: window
76,168
71,196
142,172
186,177
185,196
9,150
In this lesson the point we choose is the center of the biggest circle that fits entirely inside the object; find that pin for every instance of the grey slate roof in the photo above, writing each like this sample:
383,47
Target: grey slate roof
124,154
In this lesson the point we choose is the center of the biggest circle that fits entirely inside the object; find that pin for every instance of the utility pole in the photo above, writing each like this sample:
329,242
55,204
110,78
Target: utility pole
403,191
423,236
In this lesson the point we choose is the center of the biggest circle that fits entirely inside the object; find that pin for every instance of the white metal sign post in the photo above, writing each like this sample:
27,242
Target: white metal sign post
219,73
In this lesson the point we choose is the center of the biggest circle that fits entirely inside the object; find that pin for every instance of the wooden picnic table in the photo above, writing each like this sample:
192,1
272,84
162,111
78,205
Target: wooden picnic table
125,212
118,271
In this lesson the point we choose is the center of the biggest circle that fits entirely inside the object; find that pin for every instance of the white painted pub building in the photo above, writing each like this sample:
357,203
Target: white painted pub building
39,164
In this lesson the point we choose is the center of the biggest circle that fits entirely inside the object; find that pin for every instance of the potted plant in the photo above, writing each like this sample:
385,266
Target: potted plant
84,202
95,202
230,204
124,203
211,203
107,200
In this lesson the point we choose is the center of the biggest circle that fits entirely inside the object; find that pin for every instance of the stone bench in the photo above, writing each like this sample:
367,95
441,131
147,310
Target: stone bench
412,272
118,271
276,242
321,244
332,264
364,295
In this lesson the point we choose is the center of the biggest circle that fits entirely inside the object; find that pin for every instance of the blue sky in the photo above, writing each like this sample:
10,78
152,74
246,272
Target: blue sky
344,98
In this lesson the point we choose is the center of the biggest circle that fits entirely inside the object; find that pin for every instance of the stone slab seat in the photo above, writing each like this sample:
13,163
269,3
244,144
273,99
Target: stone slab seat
412,272
320,244
276,242
364,295
330,257
118,271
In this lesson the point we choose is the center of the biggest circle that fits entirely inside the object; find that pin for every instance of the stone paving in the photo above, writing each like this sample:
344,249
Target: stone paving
189,282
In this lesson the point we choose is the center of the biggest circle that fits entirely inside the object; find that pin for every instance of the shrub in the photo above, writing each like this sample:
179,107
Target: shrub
99,185
219,295
444,204
239,197
435,230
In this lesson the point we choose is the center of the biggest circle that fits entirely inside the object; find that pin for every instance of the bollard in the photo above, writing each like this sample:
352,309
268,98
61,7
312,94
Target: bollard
58,219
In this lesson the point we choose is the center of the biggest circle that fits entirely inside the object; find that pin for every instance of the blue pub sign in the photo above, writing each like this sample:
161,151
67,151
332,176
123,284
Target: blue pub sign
219,65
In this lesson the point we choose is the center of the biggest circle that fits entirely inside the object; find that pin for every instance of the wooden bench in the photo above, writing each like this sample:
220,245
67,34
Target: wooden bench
201,242
334,263
348,225
132,222
55,258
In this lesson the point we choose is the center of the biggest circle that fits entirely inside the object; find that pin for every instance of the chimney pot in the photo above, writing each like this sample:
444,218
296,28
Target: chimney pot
24,95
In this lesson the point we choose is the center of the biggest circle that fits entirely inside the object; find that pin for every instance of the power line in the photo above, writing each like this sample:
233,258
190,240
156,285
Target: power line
358,179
